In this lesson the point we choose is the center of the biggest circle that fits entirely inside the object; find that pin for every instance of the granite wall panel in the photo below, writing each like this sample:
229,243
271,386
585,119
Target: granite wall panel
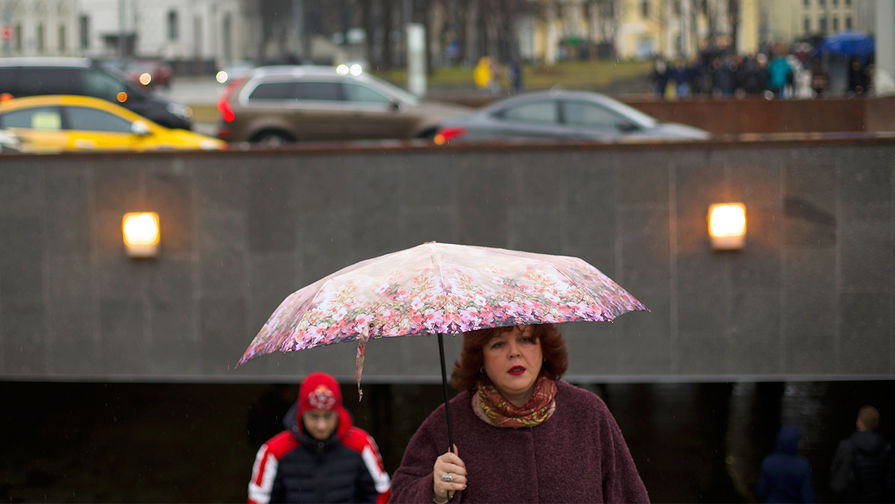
811,295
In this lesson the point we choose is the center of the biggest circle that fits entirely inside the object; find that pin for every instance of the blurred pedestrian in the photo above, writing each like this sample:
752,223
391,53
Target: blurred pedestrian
780,75
482,74
785,475
753,75
863,469
660,76
819,79
521,434
515,74
681,76
858,77
321,457
724,76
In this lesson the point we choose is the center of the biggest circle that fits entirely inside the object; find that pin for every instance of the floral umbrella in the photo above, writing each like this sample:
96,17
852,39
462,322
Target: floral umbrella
439,288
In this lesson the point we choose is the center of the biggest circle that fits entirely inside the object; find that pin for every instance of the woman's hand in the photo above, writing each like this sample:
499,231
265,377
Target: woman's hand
448,475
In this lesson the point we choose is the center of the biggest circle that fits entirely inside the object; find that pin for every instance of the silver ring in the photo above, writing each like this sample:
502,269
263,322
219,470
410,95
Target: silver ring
447,477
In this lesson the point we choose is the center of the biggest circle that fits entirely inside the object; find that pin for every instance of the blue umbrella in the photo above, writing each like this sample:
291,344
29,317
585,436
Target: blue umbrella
849,43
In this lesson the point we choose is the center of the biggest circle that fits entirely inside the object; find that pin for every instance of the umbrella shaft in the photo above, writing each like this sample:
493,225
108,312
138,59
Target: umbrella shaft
444,389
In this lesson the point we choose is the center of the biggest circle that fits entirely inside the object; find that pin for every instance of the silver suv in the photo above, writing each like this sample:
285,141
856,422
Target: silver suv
282,104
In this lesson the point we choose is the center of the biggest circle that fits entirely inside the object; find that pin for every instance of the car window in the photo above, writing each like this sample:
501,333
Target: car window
102,85
318,91
49,80
579,113
39,118
363,94
88,119
542,112
7,80
273,91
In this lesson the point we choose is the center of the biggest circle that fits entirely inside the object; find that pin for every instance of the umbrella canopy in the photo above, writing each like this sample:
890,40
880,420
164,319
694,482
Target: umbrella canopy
439,288
849,43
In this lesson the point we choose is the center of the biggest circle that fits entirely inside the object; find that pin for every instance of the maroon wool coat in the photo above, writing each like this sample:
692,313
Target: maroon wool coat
577,455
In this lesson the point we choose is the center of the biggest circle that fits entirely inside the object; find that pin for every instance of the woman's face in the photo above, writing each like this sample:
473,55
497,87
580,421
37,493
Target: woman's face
512,360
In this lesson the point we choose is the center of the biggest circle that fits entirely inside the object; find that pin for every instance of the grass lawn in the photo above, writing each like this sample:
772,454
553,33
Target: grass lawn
569,74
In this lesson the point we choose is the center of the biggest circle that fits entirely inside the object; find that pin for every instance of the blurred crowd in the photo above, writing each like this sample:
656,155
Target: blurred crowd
775,74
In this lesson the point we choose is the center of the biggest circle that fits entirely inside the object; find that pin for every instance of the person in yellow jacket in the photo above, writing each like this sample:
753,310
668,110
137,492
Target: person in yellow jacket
483,74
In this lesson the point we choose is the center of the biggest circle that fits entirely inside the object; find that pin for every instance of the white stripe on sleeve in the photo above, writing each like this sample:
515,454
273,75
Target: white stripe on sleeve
380,477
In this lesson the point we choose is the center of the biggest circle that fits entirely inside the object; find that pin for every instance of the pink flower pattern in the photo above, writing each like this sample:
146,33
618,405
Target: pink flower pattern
440,288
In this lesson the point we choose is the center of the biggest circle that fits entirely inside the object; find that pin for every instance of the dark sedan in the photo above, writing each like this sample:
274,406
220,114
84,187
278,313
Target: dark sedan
561,115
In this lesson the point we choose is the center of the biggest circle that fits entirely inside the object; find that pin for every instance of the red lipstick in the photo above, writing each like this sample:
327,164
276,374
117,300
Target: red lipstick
516,370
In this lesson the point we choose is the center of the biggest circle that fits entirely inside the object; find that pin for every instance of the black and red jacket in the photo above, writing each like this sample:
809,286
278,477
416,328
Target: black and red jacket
293,467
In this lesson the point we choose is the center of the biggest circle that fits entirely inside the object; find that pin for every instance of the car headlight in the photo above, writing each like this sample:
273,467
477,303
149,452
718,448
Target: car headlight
180,110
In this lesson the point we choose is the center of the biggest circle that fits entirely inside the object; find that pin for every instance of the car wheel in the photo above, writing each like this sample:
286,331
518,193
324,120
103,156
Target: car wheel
272,139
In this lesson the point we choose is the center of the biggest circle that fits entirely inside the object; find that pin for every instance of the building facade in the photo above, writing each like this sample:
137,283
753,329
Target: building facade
195,36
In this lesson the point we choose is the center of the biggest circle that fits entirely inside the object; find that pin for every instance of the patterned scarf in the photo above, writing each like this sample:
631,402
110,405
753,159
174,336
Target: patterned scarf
495,410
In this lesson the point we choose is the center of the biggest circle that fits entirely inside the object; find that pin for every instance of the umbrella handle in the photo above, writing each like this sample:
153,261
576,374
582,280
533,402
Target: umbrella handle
447,410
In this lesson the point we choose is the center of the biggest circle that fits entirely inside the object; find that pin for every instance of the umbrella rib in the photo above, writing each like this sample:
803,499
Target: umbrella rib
437,261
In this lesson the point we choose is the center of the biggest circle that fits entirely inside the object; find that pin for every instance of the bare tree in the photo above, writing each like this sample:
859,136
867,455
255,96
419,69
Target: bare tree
387,20
366,15
472,32
275,16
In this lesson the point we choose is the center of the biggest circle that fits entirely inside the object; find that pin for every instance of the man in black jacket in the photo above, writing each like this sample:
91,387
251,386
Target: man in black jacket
321,457
863,468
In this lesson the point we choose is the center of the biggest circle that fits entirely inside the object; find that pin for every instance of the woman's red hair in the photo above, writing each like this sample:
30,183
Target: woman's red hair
467,368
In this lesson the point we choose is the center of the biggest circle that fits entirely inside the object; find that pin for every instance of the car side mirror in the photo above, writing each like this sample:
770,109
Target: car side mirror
140,128
627,127
395,105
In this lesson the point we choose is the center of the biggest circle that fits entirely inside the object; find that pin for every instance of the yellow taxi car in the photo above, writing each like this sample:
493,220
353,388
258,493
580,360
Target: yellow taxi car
56,123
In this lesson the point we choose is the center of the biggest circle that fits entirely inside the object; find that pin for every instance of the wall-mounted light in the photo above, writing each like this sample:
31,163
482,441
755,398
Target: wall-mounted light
141,233
727,225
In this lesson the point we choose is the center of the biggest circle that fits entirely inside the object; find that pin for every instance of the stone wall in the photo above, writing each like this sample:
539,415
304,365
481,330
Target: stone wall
810,296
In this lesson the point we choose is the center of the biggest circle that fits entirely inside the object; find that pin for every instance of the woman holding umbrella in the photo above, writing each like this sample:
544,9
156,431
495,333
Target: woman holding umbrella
520,434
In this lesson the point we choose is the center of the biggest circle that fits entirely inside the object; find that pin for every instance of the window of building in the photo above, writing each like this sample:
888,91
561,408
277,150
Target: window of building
835,24
40,38
835,3
822,24
848,2
822,2
644,8
848,25
62,38
84,32
173,32
806,25
806,3
18,37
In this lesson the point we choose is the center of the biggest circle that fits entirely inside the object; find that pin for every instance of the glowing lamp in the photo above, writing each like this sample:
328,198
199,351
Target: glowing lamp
141,233
727,225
